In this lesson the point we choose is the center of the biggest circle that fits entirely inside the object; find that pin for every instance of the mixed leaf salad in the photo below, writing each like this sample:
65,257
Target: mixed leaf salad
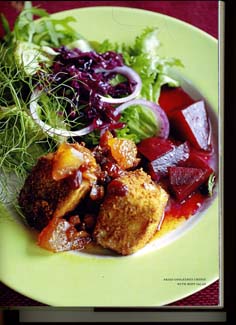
54,83
57,86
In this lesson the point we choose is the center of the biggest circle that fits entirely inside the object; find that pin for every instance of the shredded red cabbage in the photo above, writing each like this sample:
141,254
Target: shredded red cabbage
80,71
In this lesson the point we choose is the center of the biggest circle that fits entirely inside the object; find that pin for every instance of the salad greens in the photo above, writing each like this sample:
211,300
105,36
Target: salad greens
143,57
211,183
140,123
31,48
21,50
46,32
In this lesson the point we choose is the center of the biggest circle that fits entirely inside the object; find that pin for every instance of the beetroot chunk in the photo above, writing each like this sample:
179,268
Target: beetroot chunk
154,147
174,98
197,160
192,124
159,167
186,180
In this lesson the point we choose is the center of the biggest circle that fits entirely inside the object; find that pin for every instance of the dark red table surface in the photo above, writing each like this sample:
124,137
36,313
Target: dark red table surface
202,14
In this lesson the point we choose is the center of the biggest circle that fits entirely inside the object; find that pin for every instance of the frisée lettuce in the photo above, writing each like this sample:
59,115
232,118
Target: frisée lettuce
143,57
35,48
33,41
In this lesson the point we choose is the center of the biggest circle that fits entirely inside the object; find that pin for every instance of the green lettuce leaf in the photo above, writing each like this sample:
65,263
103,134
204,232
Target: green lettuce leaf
154,70
140,123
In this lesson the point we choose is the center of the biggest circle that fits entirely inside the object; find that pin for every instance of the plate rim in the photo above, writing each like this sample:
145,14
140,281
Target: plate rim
143,11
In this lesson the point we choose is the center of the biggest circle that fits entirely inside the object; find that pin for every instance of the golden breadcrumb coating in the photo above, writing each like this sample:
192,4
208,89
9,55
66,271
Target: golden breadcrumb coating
44,197
131,212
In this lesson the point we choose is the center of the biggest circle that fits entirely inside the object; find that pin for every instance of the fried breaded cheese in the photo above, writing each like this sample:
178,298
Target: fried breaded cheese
131,212
44,197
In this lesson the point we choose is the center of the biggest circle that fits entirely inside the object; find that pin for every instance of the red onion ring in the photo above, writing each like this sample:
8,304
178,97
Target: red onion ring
49,129
161,117
131,75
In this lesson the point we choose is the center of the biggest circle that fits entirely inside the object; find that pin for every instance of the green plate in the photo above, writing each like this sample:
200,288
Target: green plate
182,262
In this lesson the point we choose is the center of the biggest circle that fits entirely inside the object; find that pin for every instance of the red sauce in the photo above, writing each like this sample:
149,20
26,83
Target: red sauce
117,188
97,192
112,169
172,100
186,208
76,179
